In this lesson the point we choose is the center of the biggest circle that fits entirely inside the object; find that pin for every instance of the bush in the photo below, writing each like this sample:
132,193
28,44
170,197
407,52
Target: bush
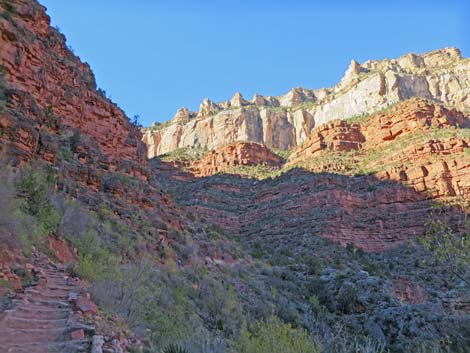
27,278
35,187
449,242
9,222
347,298
95,261
273,336
314,265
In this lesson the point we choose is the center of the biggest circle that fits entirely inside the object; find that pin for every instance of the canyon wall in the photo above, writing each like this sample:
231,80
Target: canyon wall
286,121
52,113
49,93
372,182
416,143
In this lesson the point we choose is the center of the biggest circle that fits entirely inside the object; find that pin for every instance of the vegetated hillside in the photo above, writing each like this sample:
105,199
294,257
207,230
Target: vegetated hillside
372,184
217,264
284,122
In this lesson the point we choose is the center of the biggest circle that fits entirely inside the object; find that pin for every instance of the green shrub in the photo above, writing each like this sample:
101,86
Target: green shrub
9,220
5,284
9,8
272,336
314,303
448,243
27,278
314,265
95,261
347,298
172,324
34,187
32,211
284,154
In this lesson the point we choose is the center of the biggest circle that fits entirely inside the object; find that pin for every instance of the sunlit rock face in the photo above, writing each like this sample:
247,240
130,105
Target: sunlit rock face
235,155
286,121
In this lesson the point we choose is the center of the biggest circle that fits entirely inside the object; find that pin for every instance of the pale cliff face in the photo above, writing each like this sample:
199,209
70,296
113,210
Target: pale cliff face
286,121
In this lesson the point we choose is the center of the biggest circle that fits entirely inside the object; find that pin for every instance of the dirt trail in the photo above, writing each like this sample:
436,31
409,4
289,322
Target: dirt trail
42,320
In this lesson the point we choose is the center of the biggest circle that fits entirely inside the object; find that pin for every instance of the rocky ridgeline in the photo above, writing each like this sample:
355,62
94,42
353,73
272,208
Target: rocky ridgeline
51,112
286,121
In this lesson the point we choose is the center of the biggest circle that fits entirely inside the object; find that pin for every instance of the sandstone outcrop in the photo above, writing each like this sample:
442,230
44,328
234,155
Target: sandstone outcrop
286,121
235,155
432,160
408,117
372,214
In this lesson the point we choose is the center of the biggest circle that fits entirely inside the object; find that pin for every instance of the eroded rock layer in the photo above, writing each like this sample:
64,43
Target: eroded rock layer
285,121
390,170
235,155
52,113
416,143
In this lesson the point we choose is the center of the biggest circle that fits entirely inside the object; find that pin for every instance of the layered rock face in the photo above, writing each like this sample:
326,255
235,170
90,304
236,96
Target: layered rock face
286,121
365,211
371,182
416,143
235,155
48,92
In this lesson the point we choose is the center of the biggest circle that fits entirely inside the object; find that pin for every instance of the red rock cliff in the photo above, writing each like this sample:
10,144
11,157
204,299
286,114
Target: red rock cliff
48,91
416,143
238,154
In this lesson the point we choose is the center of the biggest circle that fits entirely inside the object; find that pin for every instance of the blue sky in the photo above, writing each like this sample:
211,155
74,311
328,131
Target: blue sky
153,57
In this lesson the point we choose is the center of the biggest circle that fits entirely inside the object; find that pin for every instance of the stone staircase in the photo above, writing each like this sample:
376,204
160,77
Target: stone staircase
42,318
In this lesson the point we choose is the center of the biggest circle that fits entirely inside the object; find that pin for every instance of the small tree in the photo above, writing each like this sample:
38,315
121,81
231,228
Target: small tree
448,240
34,188
136,121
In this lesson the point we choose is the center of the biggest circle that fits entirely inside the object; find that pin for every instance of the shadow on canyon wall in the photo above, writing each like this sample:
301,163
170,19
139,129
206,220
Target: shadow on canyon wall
373,214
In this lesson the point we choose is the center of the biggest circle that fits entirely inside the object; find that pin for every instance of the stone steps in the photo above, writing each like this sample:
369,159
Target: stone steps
72,346
31,336
42,315
21,323
37,301
40,319
51,293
